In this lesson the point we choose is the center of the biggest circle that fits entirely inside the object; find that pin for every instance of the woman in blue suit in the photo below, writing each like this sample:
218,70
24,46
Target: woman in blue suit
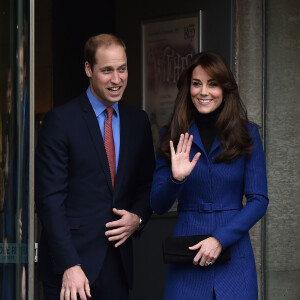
209,157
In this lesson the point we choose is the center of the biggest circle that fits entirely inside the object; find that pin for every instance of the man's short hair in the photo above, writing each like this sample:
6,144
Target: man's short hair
98,41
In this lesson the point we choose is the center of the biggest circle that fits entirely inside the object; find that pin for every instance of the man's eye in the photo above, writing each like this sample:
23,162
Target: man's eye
122,70
106,71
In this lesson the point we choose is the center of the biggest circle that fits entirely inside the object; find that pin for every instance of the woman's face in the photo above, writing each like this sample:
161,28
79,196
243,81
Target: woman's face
206,93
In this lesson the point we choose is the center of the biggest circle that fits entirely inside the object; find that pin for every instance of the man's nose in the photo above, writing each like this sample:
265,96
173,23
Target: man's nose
115,77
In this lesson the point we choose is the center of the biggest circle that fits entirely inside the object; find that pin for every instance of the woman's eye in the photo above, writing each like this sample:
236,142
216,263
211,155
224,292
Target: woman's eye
214,84
196,83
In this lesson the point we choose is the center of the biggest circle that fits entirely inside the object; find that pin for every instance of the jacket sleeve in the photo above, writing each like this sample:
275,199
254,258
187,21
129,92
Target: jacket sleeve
51,191
255,190
165,189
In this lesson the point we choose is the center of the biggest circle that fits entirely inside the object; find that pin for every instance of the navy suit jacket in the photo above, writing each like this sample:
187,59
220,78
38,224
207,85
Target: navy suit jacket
74,194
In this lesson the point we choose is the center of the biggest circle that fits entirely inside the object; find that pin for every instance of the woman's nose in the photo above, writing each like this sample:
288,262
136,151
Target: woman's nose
204,90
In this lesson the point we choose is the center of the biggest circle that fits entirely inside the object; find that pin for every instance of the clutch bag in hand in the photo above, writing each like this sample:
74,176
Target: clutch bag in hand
176,249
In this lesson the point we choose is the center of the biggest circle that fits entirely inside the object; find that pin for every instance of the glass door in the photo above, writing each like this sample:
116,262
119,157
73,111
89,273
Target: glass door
14,149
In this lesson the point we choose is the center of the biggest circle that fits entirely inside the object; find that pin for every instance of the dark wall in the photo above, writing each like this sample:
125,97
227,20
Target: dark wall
217,31
73,23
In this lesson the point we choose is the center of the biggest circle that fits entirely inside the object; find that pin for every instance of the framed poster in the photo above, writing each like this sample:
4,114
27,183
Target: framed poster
168,46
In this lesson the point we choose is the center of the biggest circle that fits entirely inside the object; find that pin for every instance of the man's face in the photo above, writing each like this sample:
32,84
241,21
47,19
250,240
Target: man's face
109,76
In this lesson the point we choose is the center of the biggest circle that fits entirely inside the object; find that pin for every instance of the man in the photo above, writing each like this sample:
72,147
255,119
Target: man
94,169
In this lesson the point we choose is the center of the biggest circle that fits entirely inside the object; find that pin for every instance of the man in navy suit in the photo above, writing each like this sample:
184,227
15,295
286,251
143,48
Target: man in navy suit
89,207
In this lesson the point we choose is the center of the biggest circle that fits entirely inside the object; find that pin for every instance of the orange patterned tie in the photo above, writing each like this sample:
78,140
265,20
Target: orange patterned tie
109,144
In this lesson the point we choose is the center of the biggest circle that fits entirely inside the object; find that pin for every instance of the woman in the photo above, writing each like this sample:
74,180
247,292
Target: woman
209,157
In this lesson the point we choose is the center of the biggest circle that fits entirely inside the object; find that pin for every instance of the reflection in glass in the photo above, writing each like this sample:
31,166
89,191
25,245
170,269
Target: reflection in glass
14,147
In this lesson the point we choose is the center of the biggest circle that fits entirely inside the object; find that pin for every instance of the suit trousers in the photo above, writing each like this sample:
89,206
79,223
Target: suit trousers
111,283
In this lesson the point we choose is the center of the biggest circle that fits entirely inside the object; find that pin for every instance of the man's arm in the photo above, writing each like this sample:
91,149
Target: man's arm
129,222
51,182
52,165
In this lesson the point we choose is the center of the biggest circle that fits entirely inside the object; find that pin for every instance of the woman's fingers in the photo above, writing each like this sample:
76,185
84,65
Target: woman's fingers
189,143
196,246
210,249
198,258
172,150
180,143
195,159
199,254
180,159
202,259
185,142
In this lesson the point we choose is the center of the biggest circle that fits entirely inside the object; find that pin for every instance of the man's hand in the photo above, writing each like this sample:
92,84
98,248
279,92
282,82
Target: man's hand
124,227
74,281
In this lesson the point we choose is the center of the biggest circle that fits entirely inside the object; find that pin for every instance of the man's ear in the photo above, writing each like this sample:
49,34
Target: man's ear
88,69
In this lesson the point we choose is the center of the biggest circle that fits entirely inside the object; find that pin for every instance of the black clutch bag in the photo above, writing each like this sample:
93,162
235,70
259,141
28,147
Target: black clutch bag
175,249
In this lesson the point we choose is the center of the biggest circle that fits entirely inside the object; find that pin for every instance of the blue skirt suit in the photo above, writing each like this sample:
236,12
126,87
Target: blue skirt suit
210,202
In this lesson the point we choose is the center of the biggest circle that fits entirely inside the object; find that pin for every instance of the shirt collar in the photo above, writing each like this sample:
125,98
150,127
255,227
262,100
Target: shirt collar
98,106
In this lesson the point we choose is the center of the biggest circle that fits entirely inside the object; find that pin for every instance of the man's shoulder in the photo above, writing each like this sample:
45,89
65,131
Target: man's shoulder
69,108
132,111
68,112
72,104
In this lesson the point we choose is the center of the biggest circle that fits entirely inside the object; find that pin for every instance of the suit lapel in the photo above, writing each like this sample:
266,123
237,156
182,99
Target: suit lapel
96,136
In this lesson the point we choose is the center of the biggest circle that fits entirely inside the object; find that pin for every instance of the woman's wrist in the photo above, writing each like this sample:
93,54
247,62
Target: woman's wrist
178,179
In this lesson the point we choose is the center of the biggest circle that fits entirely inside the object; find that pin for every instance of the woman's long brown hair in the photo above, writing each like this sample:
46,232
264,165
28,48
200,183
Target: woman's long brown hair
231,124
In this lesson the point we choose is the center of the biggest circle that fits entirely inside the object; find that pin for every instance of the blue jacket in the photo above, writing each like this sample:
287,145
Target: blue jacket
210,201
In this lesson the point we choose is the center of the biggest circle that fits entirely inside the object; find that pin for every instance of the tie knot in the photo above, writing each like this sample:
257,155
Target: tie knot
110,112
